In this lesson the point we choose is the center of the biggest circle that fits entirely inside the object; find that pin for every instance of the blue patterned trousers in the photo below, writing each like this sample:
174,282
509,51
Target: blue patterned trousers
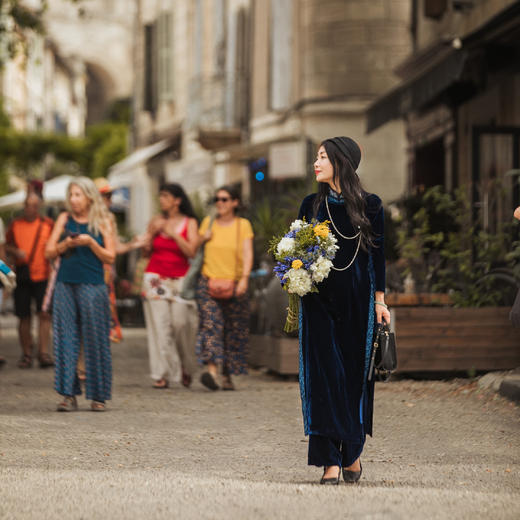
81,316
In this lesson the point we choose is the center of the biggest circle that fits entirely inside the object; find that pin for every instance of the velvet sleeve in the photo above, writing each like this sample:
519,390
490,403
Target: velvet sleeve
377,219
306,207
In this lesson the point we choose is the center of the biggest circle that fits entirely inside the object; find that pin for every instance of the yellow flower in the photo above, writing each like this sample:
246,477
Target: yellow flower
296,264
321,230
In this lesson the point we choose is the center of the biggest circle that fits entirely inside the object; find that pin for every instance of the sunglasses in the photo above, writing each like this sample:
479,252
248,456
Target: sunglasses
106,195
221,199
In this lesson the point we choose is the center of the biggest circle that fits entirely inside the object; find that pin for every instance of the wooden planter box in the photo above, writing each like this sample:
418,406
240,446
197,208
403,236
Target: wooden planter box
449,339
429,339
277,354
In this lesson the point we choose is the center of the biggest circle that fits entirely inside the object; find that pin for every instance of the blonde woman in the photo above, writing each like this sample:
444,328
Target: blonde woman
83,237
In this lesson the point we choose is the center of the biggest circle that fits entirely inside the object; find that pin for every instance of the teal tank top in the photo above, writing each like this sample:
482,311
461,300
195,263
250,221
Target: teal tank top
80,264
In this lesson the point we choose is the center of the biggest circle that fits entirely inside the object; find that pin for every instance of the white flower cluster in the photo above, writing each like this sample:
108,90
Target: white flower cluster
286,246
300,282
297,225
330,244
320,269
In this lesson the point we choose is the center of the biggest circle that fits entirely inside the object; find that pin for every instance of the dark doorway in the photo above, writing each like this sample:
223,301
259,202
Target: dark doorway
429,167
496,174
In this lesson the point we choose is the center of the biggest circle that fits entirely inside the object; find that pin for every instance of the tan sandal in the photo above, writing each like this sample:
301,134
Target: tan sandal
227,384
69,404
25,361
97,406
45,361
161,384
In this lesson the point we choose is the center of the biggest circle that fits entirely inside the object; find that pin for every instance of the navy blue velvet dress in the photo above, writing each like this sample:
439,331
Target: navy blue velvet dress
336,329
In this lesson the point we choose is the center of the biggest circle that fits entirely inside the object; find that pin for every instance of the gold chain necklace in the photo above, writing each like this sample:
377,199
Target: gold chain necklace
357,235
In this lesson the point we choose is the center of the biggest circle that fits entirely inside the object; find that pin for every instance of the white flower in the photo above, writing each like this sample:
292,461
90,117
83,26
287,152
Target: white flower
320,269
330,245
297,225
299,282
286,245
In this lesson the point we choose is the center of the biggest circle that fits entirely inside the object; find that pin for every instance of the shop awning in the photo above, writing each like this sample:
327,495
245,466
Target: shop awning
54,191
121,172
417,92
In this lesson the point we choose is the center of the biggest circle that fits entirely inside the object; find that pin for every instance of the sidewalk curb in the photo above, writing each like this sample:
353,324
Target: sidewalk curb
510,388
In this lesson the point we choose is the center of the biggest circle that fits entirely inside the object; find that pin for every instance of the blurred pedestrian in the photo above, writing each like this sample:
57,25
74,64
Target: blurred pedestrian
337,323
224,318
171,322
83,237
25,242
116,335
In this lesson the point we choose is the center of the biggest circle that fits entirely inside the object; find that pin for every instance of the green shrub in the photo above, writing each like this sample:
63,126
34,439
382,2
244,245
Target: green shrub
445,251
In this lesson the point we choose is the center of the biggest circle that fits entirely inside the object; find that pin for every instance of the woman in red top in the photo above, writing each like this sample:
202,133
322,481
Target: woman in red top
171,322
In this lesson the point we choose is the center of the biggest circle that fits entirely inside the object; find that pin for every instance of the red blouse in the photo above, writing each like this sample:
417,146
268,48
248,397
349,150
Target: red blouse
167,259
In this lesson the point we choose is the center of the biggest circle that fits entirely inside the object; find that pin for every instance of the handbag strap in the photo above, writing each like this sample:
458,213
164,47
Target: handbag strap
237,256
35,243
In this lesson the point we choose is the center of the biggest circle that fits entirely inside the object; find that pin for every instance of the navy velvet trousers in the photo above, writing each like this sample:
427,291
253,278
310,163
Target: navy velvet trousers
324,451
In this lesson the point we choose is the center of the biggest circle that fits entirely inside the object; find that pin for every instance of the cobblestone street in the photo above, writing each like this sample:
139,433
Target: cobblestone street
440,450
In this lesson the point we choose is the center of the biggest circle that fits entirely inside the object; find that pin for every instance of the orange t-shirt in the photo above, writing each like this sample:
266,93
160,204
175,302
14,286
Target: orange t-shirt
21,234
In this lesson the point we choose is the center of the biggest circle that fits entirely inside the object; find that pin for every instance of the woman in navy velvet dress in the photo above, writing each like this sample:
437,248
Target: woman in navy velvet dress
337,324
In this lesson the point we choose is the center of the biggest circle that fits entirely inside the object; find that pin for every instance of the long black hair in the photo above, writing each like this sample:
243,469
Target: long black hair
354,196
176,190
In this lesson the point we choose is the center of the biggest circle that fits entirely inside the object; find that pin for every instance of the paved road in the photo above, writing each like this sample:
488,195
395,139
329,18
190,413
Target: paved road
440,450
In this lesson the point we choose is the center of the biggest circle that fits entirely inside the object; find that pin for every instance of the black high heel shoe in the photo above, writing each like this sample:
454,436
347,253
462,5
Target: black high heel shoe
351,477
334,481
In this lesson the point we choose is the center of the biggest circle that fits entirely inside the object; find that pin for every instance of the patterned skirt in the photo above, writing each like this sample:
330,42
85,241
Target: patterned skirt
223,330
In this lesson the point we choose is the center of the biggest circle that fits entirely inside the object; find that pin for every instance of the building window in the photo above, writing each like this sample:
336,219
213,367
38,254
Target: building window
281,54
165,55
150,67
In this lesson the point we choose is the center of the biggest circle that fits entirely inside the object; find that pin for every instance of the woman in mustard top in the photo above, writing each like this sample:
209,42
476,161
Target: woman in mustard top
224,323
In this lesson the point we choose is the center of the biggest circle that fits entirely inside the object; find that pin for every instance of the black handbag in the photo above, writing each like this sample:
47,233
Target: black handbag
383,361
23,273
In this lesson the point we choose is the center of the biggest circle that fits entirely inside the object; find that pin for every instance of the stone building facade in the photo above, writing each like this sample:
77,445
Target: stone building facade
227,89
99,33
460,99
44,90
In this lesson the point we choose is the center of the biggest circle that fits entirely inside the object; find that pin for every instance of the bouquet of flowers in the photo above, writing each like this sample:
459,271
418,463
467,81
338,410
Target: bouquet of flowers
303,259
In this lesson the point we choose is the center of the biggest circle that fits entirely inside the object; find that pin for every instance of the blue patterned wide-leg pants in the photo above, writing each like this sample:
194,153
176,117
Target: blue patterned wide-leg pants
81,316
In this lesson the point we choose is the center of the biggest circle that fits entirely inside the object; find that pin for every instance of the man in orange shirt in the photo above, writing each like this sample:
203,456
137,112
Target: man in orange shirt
25,242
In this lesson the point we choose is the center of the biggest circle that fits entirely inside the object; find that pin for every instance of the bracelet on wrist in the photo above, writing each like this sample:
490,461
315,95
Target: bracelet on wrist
382,304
